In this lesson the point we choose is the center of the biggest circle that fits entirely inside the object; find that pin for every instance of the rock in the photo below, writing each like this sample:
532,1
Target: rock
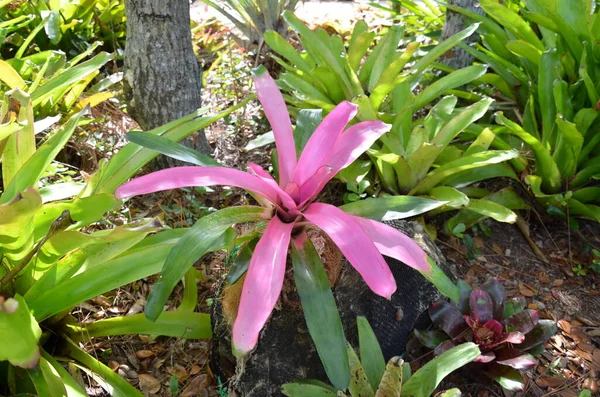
285,350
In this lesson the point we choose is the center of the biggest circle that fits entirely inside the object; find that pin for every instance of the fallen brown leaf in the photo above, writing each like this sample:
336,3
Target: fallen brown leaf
496,248
549,381
144,353
558,282
196,387
527,291
149,383
195,369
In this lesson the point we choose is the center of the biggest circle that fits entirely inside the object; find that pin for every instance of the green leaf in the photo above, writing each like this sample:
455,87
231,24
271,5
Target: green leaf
359,383
440,280
131,158
10,76
568,147
509,378
281,46
371,355
260,141
425,380
20,146
177,324
29,174
72,388
391,383
198,240
525,50
241,262
169,148
130,266
453,198
47,380
20,334
320,311
546,167
454,80
492,210
303,389
16,223
476,160
511,21
549,70
113,383
52,25
189,301
71,76
306,123
391,207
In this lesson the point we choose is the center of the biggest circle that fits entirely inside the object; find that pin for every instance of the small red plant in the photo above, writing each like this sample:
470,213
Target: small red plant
508,334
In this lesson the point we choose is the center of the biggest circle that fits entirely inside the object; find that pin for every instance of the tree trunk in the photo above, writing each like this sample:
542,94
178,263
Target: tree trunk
455,22
162,76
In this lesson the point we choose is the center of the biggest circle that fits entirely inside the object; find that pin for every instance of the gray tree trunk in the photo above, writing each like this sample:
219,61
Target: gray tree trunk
162,76
455,22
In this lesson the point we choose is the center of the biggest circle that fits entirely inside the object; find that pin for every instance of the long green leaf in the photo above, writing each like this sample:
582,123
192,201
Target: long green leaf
130,266
546,167
320,311
29,174
425,380
482,159
391,207
453,80
568,147
199,240
72,388
185,325
169,148
371,355
69,77
131,158
116,385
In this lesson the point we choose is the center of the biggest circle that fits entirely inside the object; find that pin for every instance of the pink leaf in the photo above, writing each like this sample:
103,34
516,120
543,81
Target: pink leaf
173,178
274,107
355,141
355,244
262,286
485,357
395,244
321,145
311,188
258,171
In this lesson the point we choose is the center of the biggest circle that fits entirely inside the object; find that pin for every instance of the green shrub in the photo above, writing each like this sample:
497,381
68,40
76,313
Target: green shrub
546,54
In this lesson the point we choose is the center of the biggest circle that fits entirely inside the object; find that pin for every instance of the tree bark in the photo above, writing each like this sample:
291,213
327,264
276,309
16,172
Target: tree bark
455,22
162,76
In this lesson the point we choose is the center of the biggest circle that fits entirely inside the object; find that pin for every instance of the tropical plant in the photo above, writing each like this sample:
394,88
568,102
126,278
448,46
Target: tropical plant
371,377
287,208
425,18
49,265
54,85
30,27
416,156
253,18
508,334
546,56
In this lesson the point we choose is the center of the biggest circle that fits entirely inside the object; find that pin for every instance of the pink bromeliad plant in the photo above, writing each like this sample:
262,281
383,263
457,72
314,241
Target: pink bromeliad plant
289,206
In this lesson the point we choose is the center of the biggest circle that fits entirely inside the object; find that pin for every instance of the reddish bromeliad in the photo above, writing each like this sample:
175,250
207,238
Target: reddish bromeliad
291,204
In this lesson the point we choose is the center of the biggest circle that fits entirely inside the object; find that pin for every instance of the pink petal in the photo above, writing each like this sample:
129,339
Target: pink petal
485,357
395,244
355,141
321,145
311,188
262,286
258,171
177,177
274,107
355,244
